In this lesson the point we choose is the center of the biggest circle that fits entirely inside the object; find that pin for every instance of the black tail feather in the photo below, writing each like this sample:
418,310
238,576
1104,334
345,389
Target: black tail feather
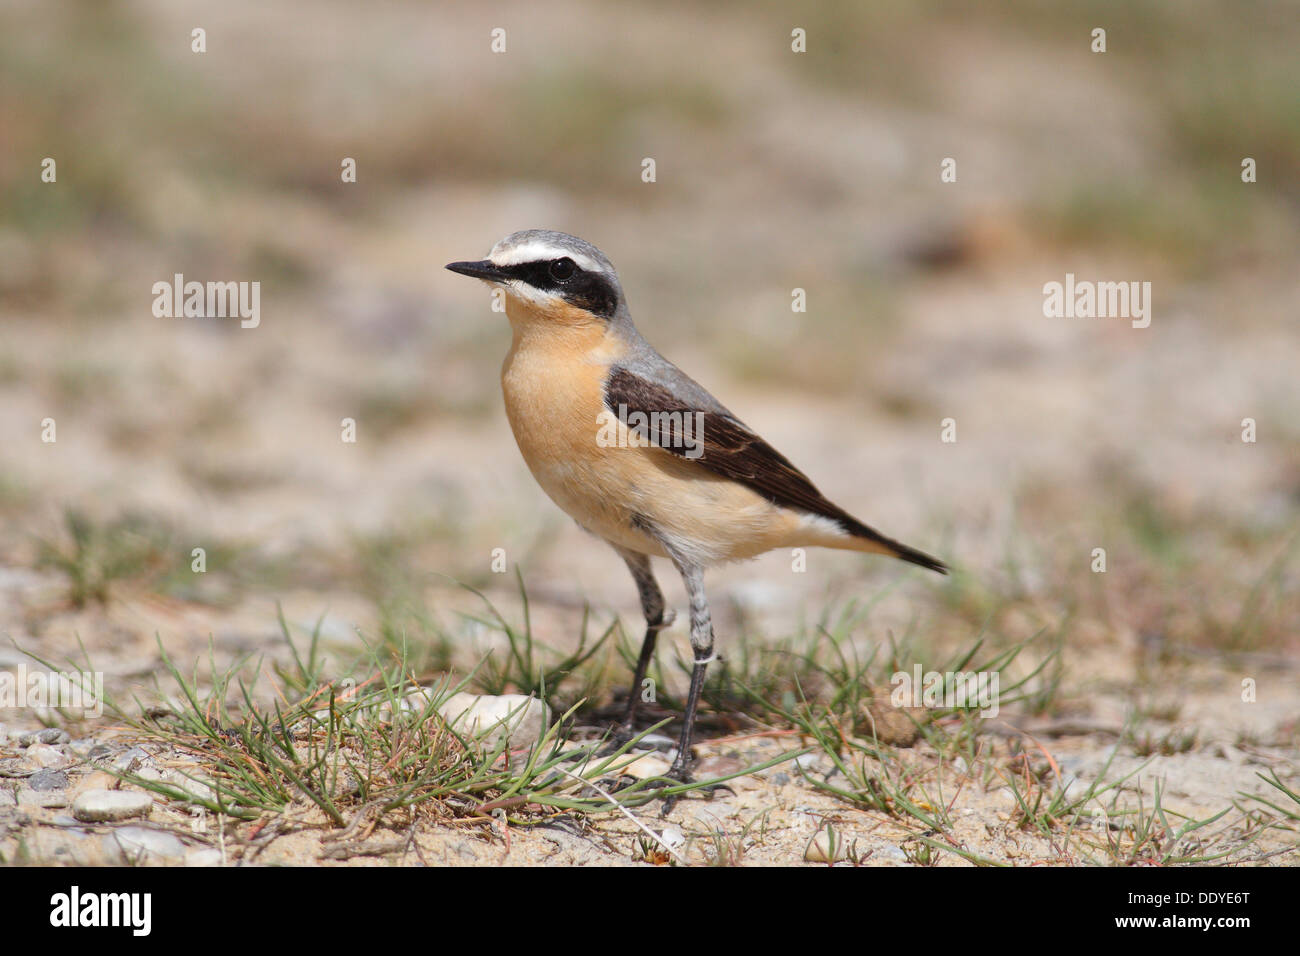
900,551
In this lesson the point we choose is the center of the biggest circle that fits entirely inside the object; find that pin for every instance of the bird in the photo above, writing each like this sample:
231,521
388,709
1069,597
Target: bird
641,455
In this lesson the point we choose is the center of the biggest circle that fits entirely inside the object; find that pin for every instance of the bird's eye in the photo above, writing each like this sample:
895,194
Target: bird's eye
561,269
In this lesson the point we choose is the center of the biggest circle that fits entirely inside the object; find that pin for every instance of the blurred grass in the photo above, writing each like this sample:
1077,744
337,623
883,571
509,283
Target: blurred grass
90,82
136,552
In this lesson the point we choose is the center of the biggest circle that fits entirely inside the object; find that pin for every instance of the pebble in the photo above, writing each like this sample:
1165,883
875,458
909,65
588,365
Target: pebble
203,856
890,852
50,735
48,780
46,756
523,719
131,760
135,845
897,726
673,838
647,766
657,742
98,780
809,762
826,847
79,749
102,806
413,704
54,799
718,766
193,786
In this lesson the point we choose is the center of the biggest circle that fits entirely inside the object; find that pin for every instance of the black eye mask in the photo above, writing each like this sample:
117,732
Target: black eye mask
585,290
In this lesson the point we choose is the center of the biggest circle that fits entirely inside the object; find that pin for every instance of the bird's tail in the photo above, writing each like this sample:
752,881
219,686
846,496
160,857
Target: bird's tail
862,538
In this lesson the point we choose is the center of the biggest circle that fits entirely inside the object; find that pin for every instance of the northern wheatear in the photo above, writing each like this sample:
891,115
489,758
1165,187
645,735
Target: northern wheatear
637,452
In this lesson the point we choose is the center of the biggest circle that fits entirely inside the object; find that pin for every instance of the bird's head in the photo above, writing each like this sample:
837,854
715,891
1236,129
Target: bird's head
551,276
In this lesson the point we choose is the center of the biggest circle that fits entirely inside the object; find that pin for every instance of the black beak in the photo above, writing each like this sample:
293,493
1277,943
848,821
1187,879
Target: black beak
484,269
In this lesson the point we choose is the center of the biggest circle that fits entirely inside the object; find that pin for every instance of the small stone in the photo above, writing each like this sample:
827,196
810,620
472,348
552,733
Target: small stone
484,717
193,786
54,799
48,780
131,760
48,735
14,767
409,707
890,852
137,845
79,749
879,719
657,742
673,838
100,752
102,806
646,766
203,856
98,780
717,766
780,779
46,756
809,763
826,846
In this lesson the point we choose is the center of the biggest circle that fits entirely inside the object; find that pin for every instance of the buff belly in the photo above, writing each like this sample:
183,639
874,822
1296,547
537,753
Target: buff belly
617,489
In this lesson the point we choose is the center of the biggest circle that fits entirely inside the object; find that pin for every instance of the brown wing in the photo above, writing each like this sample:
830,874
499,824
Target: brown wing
730,449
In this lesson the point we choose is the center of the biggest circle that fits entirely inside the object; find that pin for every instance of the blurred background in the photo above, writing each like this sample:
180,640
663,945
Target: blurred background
774,170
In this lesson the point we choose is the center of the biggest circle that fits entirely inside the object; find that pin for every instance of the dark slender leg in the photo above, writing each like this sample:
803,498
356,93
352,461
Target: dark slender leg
702,645
656,619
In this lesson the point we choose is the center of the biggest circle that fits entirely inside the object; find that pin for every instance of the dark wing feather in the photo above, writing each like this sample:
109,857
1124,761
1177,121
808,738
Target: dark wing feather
732,450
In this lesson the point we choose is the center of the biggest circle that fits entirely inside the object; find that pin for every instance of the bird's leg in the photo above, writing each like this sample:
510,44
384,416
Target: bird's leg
652,603
702,646
656,619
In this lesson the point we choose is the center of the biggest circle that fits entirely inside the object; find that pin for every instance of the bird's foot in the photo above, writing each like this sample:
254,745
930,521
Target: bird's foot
679,774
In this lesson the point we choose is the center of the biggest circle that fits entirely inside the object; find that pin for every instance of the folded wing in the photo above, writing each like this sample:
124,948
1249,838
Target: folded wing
724,445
